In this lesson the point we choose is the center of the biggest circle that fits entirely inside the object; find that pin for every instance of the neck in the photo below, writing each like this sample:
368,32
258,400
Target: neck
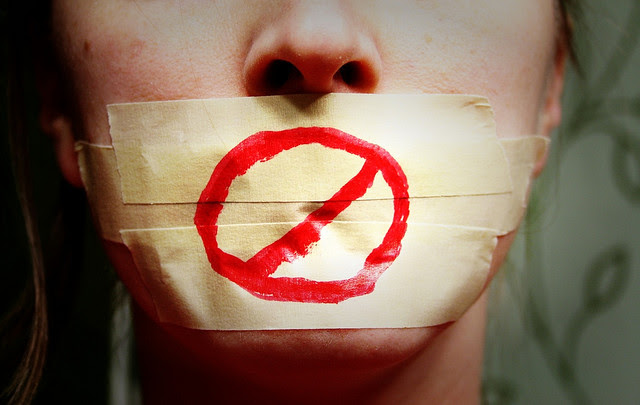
446,370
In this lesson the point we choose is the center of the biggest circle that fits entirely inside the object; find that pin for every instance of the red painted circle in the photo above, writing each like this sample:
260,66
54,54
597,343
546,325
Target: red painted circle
253,274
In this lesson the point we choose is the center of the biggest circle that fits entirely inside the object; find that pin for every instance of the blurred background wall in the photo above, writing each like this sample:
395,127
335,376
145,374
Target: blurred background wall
565,320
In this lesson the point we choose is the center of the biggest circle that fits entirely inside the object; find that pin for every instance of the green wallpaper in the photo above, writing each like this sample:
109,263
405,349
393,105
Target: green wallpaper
565,321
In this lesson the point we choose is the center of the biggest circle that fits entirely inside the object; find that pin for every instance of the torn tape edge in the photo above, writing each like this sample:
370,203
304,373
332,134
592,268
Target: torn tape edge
78,145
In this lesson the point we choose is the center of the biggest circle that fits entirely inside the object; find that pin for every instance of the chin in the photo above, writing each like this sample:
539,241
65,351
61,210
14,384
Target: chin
306,352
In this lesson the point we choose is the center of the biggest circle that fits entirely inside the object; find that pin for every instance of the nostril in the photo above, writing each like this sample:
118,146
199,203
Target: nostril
351,74
279,72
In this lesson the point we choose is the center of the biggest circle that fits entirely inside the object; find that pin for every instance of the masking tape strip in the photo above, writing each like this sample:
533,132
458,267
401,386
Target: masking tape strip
466,188
454,150
495,211
411,293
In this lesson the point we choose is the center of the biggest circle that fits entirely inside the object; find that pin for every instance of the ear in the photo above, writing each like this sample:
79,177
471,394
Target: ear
55,121
551,113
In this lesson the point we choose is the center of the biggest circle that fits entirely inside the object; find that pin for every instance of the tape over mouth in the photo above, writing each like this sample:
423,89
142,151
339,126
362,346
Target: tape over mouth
465,188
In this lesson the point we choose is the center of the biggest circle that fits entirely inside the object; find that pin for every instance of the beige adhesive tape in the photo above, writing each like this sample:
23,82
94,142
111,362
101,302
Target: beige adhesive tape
159,144
415,291
465,187
496,211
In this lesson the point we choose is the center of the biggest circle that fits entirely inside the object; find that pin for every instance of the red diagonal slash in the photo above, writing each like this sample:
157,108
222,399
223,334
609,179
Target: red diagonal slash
253,275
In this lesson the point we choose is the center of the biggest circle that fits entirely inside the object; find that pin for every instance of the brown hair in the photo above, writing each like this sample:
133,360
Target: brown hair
28,28
33,299
54,254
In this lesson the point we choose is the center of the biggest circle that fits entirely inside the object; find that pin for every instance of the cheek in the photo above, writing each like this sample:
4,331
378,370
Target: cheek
140,69
515,92
113,73
106,64
491,49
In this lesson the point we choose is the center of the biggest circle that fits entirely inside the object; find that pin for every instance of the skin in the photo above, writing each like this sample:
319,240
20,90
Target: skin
115,51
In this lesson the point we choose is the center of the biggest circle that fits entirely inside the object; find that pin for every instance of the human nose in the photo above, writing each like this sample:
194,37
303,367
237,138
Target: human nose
316,47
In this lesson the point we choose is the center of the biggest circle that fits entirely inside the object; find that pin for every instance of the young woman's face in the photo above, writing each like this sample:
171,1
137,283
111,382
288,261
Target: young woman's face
115,51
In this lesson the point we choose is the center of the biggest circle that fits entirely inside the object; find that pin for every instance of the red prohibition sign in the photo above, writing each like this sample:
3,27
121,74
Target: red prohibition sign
253,274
